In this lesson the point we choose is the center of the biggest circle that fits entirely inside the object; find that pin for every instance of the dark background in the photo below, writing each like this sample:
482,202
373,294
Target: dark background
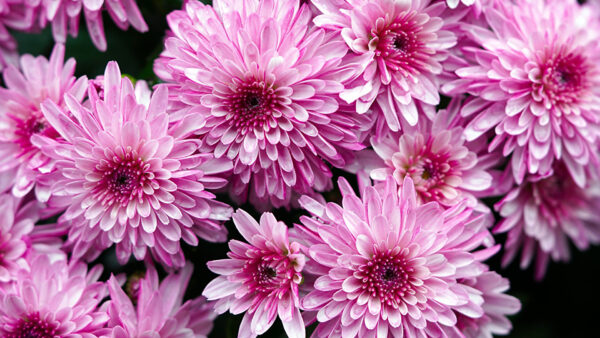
565,304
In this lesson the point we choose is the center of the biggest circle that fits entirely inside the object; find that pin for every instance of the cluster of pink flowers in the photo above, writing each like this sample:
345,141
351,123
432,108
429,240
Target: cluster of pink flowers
434,105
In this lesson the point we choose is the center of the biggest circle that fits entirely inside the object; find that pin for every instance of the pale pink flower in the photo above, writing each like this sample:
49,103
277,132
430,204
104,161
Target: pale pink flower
489,289
20,239
387,266
18,15
544,214
21,118
65,16
260,278
443,166
129,177
159,309
400,46
533,70
267,84
53,299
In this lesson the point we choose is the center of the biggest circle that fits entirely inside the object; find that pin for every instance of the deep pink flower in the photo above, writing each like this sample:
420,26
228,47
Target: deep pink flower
533,70
544,214
489,289
400,46
21,117
128,176
260,278
53,299
443,166
65,16
19,239
267,85
387,266
158,309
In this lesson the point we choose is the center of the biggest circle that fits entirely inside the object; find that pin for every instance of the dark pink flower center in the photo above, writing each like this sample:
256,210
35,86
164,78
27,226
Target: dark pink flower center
123,179
251,105
557,195
32,327
386,277
429,171
25,129
563,78
264,275
268,272
400,45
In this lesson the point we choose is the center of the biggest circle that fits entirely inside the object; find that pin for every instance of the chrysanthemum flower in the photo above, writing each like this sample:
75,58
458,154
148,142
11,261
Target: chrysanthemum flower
18,15
443,166
544,214
489,289
260,278
535,76
267,85
65,15
53,299
21,116
127,176
158,308
19,239
400,46
387,266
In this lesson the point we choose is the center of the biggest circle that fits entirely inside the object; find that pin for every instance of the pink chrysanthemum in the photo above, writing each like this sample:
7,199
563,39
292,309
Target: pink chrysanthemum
543,213
400,46
158,309
260,278
387,266
267,84
21,116
65,15
489,289
53,299
18,15
127,176
443,166
19,239
535,76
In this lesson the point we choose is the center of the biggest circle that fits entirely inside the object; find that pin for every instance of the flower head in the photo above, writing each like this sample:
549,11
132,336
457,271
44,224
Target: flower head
260,278
19,239
53,299
399,46
158,308
544,214
535,77
267,98
442,165
128,176
65,15
21,117
388,266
